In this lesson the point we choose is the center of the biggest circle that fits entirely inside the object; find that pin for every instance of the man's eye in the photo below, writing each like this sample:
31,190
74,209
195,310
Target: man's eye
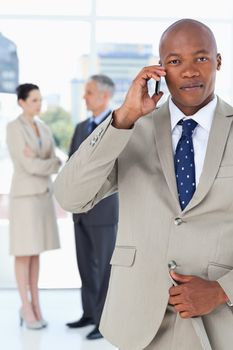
176,61
202,59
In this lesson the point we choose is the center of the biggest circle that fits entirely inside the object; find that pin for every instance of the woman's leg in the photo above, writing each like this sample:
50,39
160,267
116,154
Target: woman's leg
33,285
22,268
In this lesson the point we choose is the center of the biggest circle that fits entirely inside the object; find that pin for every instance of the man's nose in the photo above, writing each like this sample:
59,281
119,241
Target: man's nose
190,71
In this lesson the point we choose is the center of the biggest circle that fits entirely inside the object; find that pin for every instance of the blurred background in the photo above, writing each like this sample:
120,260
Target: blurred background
57,45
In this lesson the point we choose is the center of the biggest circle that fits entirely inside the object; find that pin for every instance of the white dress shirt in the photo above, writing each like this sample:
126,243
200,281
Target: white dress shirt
204,118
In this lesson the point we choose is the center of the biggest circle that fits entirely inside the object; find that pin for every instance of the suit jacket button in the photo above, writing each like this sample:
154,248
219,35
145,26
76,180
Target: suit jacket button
172,265
92,142
178,221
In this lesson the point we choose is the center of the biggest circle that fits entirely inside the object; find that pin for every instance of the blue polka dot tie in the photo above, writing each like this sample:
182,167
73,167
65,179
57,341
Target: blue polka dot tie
184,163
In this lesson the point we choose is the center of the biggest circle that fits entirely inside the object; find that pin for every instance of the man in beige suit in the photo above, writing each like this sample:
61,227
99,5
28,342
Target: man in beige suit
173,169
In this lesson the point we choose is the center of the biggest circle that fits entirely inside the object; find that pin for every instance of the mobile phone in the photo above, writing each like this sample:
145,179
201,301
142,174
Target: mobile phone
157,86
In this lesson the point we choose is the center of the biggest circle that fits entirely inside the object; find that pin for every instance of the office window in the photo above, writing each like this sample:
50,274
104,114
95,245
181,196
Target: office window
169,9
45,7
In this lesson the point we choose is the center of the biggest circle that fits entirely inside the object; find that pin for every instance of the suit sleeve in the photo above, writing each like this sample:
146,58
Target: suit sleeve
91,173
32,165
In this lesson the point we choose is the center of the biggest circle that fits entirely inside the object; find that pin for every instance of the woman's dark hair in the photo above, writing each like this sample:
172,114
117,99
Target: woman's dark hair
23,90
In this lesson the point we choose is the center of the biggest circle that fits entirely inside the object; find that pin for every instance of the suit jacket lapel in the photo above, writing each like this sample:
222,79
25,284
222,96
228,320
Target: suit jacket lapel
163,141
30,136
32,140
45,144
218,136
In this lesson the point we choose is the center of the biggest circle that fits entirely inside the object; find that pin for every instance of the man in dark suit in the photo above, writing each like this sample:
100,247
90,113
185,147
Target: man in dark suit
95,230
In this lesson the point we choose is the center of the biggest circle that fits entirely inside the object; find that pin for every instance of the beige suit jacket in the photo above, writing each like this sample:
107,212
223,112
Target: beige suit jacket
31,174
152,228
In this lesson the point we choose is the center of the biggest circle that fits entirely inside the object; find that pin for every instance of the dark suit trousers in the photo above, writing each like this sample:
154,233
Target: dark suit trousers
94,248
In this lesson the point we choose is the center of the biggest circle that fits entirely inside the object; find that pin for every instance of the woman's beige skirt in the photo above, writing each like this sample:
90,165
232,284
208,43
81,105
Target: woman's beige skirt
33,225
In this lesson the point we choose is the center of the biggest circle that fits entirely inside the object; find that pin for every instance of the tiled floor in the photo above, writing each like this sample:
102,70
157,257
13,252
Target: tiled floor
59,307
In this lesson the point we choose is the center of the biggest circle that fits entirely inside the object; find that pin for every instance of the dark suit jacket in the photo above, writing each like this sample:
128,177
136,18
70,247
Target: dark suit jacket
106,211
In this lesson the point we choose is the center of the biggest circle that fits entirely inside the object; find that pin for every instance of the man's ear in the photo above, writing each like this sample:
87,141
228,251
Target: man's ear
219,61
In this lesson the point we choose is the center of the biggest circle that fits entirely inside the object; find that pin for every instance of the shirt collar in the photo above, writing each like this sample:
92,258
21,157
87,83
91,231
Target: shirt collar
99,118
203,117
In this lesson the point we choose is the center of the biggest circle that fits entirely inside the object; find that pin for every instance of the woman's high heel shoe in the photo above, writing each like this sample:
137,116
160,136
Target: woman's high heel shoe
29,325
44,323
37,313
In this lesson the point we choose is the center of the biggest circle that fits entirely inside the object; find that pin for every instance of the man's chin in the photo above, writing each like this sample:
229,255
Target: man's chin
190,101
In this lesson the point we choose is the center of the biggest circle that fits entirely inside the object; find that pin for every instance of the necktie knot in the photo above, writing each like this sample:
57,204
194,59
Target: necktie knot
188,127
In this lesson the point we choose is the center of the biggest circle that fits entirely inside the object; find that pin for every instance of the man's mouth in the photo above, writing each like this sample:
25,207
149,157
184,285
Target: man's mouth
192,86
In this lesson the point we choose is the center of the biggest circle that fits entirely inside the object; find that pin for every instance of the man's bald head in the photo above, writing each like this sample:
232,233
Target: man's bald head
187,26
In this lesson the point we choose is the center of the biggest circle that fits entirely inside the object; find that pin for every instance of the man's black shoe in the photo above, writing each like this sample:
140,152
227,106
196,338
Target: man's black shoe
84,321
95,334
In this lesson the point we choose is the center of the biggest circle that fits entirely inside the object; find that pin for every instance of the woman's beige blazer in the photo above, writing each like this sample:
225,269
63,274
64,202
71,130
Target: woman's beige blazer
31,175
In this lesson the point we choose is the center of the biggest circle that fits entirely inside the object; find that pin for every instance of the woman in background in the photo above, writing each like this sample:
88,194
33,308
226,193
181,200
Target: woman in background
33,226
